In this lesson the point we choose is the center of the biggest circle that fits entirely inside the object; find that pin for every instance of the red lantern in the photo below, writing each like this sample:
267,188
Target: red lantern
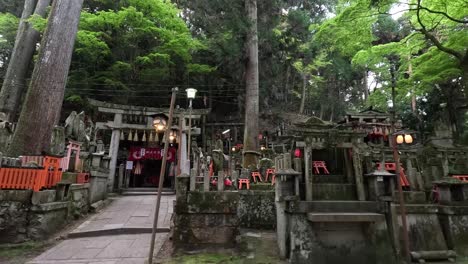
260,136
297,153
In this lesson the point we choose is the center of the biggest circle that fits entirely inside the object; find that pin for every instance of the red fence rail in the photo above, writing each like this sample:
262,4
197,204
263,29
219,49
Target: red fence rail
32,178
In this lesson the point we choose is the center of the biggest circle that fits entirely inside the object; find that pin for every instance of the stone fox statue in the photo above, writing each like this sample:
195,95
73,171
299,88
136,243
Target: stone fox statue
6,131
77,129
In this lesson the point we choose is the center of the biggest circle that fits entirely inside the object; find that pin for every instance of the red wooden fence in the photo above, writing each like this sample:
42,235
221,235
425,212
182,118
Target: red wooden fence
32,178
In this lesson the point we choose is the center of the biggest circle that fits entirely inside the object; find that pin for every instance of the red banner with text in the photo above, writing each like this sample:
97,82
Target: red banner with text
139,153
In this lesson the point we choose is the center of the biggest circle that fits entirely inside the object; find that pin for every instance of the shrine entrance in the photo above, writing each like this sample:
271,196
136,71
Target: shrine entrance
144,166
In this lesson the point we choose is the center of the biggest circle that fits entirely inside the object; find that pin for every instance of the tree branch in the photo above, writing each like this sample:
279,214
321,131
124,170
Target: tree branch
419,6
433,39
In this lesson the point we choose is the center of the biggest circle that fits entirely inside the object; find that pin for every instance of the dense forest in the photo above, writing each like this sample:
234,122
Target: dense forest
321,57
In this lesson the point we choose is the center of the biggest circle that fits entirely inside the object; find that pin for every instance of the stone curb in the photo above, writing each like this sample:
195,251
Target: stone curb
146,193
118,231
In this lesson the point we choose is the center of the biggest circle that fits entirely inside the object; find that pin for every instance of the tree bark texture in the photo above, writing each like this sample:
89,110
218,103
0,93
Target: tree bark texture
303,98
41,109
251,83
14,85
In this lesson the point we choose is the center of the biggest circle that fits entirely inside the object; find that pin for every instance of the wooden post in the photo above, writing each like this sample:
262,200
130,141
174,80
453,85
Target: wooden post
161,175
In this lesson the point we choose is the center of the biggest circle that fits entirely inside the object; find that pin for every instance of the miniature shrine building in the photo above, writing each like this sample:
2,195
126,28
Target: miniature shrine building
137,148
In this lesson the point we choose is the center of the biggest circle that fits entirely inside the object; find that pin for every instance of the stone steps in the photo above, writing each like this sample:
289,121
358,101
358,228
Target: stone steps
330,178
345,217
334,191
146,191
336,206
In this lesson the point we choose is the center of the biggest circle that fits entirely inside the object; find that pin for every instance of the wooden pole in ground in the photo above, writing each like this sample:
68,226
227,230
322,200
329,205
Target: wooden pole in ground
161,174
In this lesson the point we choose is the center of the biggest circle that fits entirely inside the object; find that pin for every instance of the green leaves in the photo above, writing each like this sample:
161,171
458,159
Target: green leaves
132,45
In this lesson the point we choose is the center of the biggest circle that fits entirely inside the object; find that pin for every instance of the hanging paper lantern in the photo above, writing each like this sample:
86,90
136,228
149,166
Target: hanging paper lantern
408,139
135,137
130,136
144,136
399,139
150,137
297,153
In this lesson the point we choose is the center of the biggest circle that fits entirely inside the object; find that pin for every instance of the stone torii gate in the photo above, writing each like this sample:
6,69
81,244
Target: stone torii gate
130,117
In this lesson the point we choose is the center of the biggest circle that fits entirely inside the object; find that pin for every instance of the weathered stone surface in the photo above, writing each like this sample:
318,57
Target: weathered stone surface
98,186
334,191
454,221
413,197
215,217
45,219
338,242
212,202
42,197
215,235
79,200
256,209
69,177
333,206
425,230
13,221
23,196
25,215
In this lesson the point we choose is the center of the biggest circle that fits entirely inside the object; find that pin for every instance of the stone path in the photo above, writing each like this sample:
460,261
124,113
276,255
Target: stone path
129,214
99,240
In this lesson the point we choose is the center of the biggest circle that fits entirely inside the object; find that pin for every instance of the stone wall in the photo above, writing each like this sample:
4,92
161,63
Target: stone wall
27,215
203,218
454,221
14,209
425,231
256,209
98,185
331,243
79,197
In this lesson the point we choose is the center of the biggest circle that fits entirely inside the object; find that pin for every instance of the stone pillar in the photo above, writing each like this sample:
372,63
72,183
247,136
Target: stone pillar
445,165
308,175
114,150
121,175
193,179
220,181
348,167
357,163
282,222
184,162
411,173
206,181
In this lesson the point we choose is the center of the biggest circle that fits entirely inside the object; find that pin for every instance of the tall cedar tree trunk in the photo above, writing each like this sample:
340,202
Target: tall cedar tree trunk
303,98
365,84
14,85
41,109
251,85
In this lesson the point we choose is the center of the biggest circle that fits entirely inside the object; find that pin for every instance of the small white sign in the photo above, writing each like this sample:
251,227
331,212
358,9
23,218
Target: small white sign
129,165
380,178
300,144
